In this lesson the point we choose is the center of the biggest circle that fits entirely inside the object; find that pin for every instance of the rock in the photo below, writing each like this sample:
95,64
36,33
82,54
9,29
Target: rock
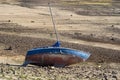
105,77
8,48
113,72
32,21
115,77
9,20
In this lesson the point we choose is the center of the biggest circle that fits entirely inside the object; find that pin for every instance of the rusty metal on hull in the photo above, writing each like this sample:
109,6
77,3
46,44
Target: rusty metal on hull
53,59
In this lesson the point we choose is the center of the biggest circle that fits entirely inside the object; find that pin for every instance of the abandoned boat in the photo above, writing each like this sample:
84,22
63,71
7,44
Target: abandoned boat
54,55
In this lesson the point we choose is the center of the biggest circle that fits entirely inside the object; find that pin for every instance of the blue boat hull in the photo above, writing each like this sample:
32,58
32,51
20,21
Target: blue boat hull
54,56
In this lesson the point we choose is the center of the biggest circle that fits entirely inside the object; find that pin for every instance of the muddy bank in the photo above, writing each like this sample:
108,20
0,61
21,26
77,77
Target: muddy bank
92,36
95,37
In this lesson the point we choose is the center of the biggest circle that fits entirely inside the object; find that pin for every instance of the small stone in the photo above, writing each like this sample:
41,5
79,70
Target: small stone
99,66
87,77
112,38
113,72
9,20
8,48
52,67
105,77
32,21
71,15
115,77
112,25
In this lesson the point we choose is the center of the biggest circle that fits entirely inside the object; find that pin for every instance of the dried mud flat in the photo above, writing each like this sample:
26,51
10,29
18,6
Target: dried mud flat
98,34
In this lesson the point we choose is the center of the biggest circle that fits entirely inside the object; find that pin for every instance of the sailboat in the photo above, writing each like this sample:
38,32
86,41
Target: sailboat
54,55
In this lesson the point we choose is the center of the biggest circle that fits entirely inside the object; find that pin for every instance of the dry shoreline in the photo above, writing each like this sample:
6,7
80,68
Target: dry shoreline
93,28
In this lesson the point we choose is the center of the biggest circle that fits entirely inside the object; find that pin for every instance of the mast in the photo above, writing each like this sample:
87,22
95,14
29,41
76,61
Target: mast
53,22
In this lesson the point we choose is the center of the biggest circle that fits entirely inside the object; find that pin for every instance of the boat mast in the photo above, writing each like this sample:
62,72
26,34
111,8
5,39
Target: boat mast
53,22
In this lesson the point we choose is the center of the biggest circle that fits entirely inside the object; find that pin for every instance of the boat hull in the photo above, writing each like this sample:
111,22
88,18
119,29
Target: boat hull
52,59
54,56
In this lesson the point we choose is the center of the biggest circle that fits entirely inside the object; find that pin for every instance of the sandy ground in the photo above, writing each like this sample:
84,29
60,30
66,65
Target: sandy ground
24,28
39,18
